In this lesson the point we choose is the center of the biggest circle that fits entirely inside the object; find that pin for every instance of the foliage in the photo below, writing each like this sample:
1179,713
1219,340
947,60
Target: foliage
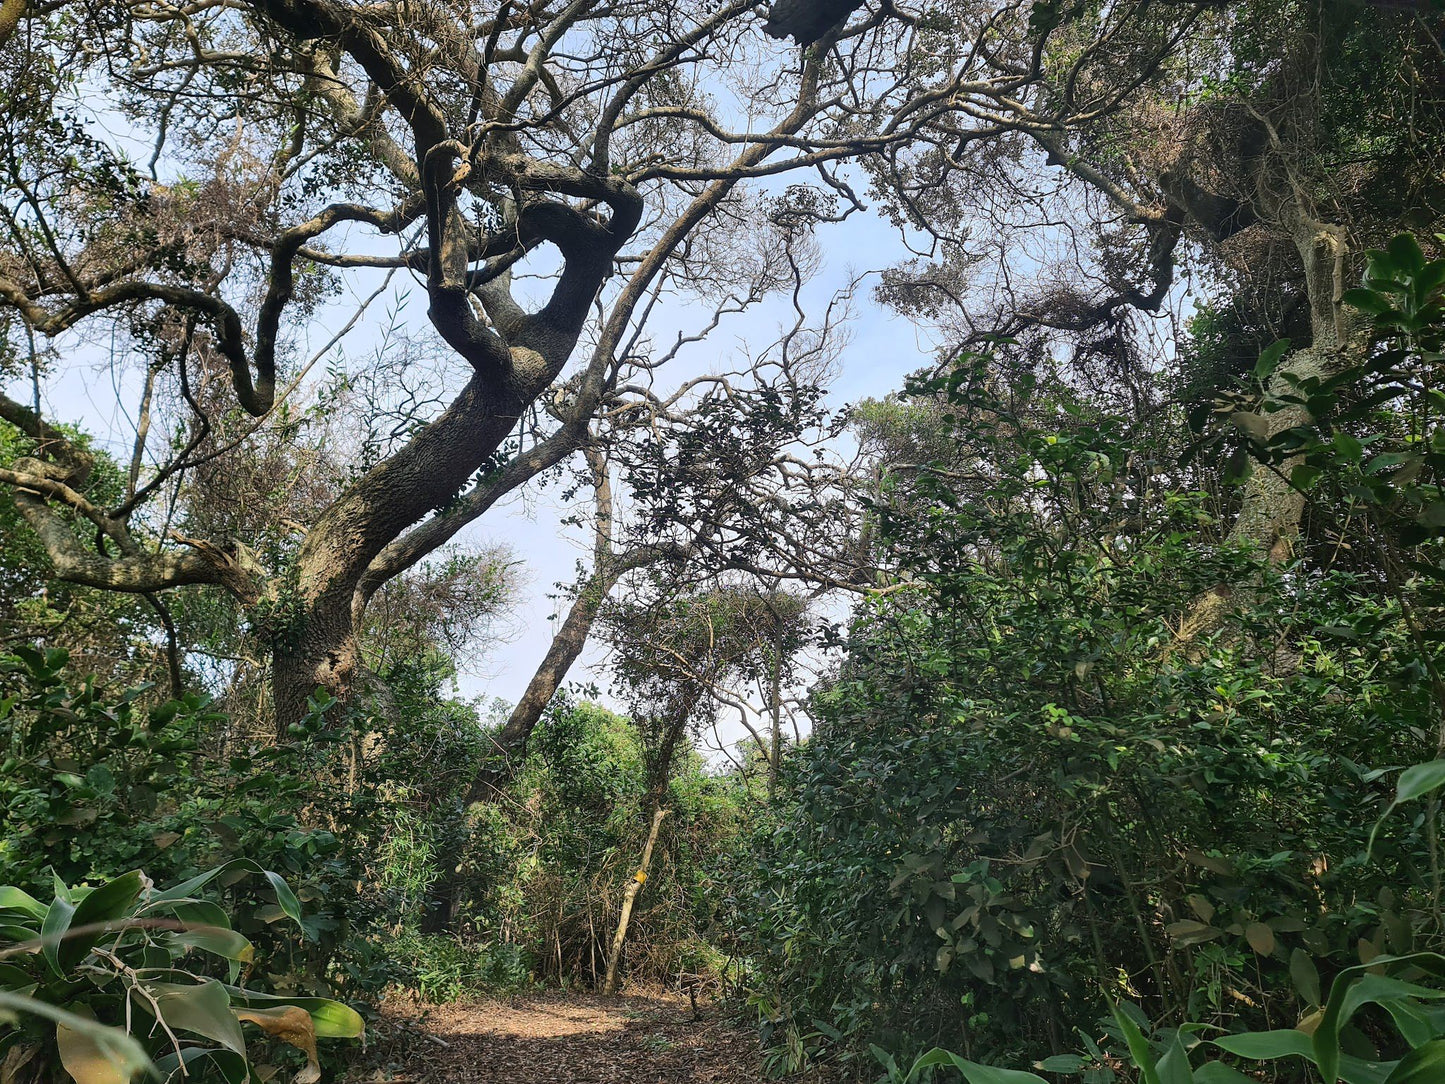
97,783
162,964
548,858
443,968
1029,786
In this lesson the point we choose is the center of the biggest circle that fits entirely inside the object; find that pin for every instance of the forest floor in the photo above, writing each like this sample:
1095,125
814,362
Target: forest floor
553,1037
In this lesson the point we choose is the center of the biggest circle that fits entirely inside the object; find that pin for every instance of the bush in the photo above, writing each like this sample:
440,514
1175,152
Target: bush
160,966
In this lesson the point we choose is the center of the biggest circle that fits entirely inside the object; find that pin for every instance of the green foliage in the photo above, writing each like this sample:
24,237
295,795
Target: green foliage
1029,787
548,859
443,968
160,965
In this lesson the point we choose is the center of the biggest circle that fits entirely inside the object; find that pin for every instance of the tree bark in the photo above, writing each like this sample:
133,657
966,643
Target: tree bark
614,956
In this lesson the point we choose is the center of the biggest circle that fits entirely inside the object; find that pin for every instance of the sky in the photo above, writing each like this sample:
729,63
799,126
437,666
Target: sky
98,389
881,350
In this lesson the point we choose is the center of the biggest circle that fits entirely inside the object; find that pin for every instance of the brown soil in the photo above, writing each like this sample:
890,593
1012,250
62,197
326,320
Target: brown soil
570,1038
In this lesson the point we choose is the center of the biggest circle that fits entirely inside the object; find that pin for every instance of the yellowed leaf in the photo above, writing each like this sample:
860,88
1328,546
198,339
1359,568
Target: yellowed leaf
292,1025
86,1060
1260,938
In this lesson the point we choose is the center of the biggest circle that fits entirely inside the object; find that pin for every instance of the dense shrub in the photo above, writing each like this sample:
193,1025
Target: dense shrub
1031,786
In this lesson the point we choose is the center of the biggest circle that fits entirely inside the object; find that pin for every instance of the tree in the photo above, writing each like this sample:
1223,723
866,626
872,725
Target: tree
1245,146
289,141
673,650
725,475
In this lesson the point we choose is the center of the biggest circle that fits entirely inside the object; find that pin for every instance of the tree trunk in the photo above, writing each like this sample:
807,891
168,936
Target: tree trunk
1271,508
320,651
634,887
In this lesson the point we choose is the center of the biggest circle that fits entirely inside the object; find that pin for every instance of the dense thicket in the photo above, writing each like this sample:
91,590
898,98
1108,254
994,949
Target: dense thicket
1089,687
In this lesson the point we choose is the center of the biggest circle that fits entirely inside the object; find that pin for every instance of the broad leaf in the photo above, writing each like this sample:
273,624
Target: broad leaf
111,901
972,1071
1423,1065
332,1019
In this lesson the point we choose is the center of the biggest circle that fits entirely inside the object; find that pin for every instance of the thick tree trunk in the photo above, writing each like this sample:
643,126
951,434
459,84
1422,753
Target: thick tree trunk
322,652
1271,509
629,898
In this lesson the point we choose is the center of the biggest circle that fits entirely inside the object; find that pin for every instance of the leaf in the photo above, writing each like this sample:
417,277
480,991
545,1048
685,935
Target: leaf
1405,251
1062,1063
1216,1072
87,1059
972,1071
53,929
1268,1045
1253,426
1419,779
1353,988
1305,975
1423,1065
1188,932
1260,938
332,1019
118,1047
186,889
15,899
1210,862
1173,1067
1269,359
231,1066
293,1026
1139,1051
113,900
228,944
1367,301
202,1009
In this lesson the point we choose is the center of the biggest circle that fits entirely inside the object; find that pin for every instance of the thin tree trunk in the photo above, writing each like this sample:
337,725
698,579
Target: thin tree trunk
634,887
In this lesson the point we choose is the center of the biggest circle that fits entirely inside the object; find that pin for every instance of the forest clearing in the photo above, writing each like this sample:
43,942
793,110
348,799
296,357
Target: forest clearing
868,541
586,1038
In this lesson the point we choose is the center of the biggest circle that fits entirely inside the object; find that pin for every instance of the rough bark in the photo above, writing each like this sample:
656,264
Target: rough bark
1271,508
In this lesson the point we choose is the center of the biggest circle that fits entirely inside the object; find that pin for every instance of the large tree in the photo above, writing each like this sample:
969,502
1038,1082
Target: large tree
547,172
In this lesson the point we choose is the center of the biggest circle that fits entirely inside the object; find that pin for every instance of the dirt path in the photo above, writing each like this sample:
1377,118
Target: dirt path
568,1038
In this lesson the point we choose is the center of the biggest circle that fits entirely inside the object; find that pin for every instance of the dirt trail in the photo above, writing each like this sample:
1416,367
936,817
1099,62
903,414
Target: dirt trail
569,1038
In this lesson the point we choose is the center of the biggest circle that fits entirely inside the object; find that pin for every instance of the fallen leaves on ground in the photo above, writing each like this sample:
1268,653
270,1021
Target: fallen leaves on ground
569,1038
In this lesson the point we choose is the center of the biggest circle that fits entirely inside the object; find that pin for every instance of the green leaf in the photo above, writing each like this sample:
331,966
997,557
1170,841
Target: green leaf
1216,1072
972,1071
1354,988
1173,1067
1406,253
186,889
15,899
1305,975
1419,779
1268,1045
1269,359
53,930
202,1009
1139,1050
1188,932
1423,1065
228,944
1062,1063
333,1019
231,1066
1368,301
113,900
